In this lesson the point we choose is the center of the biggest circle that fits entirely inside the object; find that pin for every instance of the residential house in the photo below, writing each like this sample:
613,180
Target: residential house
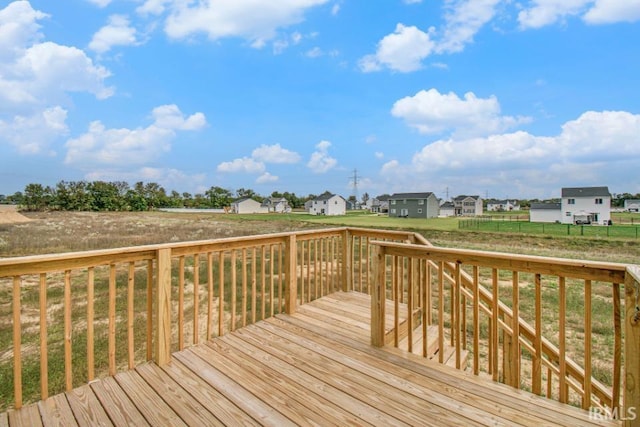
247,205
328,204
503,205
413,205
586,205
579,205
468,206
276,204
632,205
545,212
379,204
447,209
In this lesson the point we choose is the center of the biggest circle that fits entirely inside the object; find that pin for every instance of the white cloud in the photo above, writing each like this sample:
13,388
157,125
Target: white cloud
587,151
379,155
100,3
411,1
401,51
320,161
541,13
254,20
153,7
102,146
275,154
40,74
266,178
611,11
170,117
432,112
335,9
117,32
34,134
314,53
464,19
545,12
244,164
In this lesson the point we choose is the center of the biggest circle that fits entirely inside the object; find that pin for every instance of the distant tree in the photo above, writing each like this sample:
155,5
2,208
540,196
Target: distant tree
365,198
35,197
247,192
218,197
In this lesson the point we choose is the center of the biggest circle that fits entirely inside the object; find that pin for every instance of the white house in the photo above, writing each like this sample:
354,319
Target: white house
503,205
447,209
247,205
328,204
468,205
632,205
586,205
276,204
579,205
545,212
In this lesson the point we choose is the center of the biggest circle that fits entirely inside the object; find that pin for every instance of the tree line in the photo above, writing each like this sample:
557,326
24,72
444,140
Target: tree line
120,196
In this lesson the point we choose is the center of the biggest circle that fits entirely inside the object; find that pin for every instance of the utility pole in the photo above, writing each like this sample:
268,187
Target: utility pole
354,182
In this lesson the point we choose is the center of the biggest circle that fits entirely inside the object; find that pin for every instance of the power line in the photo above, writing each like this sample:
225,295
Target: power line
354,179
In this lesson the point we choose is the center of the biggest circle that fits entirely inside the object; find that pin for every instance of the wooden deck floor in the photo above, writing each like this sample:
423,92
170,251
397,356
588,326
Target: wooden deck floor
313,368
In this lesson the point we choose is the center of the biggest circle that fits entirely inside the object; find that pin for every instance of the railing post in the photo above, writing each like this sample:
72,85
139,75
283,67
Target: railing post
163,307
631,413
378,296
347,256
291,276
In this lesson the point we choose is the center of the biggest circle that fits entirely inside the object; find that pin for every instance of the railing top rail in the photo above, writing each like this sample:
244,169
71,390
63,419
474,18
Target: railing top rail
582,269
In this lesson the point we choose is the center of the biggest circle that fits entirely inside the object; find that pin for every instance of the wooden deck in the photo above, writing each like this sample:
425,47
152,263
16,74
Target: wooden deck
313,368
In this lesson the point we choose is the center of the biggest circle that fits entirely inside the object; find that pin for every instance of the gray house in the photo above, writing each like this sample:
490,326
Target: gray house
413,205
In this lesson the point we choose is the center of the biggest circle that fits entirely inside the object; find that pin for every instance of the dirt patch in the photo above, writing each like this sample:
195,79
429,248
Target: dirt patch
9,215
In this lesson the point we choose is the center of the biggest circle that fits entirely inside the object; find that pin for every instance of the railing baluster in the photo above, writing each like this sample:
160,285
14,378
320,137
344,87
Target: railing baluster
44,369
632,341
425,286
586,398
112,321
221,300
536,372
196,299
272,278
263,280
396,302
562,307
181,263
209,295
515,327
150,286
495,337
243,298
410,291
130,315
617,347
234,285
441,312
90,328
254,295
457,311
17,343
476,320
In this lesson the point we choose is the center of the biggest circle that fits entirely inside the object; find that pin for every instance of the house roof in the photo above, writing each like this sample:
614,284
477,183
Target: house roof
446,205
410,195
242,199
548,206
503,202
459,198
585,192
325,196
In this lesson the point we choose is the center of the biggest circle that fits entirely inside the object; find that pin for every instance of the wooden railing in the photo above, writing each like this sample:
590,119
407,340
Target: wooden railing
530,322
67,319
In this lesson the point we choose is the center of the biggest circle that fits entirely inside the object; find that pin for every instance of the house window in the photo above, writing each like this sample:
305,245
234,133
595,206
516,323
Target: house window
393,202
571,201
419,210
421,202
598,201
393,211
567,214
404,202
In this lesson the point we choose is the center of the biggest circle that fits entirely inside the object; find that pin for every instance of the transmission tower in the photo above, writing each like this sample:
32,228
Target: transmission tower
354,183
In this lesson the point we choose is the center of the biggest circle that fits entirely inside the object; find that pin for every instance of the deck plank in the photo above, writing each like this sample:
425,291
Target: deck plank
86,407
237,394
151,406
117,404
224,410
56,411
188,409
27,416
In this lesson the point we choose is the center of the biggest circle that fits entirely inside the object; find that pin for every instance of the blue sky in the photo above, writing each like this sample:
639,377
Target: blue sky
505,99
